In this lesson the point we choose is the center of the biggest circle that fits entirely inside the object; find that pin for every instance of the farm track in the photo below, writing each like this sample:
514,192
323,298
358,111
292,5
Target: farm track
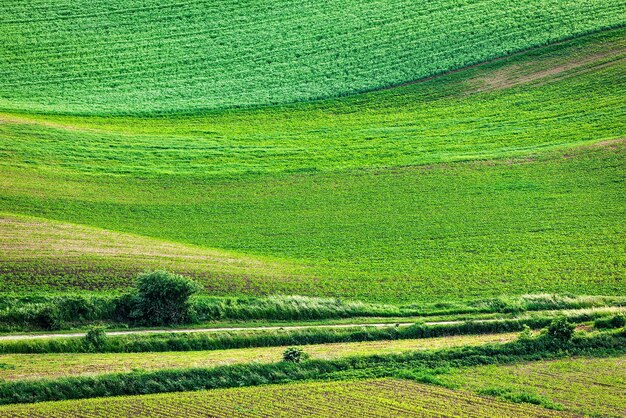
235,329
276,327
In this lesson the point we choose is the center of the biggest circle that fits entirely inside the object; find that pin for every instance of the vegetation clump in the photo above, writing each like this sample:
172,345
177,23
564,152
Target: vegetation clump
162,298
95,339
294,355
526,334
561,329
616,321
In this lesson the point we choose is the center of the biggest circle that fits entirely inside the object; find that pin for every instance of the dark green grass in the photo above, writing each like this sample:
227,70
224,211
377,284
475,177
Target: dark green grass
133,56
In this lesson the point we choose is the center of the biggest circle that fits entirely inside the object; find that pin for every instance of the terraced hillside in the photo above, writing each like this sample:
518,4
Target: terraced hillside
137,56
501,178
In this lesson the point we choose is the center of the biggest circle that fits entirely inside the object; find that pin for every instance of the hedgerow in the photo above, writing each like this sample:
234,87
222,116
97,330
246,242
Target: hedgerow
243,339
256,374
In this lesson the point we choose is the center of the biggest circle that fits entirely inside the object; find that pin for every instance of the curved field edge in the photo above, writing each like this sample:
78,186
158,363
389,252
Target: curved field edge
562,210
378,397
64,255
81,56
409,228
553,97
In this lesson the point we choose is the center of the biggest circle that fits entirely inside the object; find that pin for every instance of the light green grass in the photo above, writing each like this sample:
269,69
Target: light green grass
376,398
345,196
551,97
137,56
35,366
589,386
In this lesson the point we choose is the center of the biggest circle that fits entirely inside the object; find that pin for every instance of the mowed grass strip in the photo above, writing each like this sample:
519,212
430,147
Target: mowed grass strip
136,56
373,398
589,386
37,366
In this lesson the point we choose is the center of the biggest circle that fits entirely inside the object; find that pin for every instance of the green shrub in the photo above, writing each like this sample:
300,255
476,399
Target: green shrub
616,321
561,329
294,355
95,339
162,298
526,333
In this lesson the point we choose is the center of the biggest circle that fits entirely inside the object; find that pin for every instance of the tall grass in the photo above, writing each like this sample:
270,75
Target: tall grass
245,339
40,311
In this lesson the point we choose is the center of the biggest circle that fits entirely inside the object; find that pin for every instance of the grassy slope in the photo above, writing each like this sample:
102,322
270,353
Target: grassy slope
147,55
381,397
540,222
555,96
590,386
34,366
83,257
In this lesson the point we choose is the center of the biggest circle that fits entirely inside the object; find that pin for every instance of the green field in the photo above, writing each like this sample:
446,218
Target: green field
589,386
364,197
375,398
138,56
192,191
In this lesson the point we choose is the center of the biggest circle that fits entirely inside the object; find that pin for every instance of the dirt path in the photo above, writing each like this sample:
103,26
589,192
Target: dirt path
265,328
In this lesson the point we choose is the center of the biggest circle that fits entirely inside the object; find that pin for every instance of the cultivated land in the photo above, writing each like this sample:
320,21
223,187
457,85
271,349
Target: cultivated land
137,56
459,164
589,386
34,366
543,133
375,398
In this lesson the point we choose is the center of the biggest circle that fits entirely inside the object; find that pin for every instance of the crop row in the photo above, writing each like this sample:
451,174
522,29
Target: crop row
370,398
585,385
146,56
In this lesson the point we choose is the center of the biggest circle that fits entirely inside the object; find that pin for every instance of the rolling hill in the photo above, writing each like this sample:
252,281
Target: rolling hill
501,178
149,56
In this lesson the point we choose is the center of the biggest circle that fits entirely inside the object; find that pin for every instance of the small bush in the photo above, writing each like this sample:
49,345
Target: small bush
616,321
294,355
162,298
95,339
561,329
526,334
